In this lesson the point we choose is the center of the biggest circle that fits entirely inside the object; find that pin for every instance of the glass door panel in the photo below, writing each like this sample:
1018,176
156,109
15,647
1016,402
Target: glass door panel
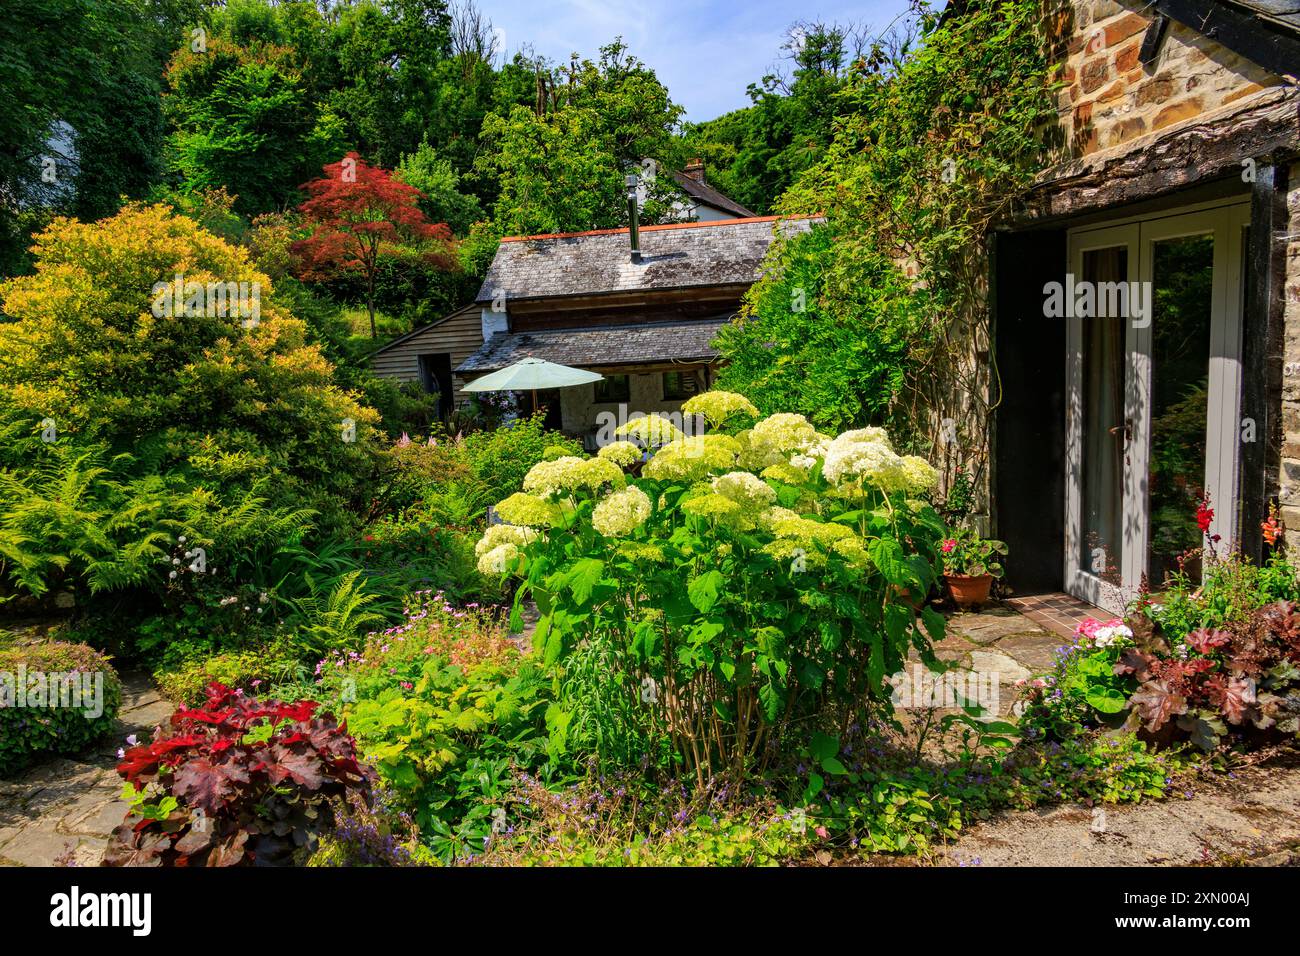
1182,283
1153,415
1102,421
1100,415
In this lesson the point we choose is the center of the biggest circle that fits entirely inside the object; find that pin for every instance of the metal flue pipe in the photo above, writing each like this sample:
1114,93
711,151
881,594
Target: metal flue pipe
634,232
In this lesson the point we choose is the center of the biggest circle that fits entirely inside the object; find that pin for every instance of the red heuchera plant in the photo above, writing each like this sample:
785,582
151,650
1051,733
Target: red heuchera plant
1236,675
237,781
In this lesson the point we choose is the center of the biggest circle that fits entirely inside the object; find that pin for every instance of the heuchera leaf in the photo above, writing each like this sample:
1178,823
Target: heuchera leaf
1156,704
1233,696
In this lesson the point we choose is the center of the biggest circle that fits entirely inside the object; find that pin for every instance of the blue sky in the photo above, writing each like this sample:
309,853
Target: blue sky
706,53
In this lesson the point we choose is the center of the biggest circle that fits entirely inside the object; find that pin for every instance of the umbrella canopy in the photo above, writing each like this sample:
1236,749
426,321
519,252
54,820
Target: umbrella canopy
532,373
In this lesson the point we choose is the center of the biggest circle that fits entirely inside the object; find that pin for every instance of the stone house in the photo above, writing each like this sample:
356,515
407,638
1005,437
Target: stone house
1145,299
640,306
430,357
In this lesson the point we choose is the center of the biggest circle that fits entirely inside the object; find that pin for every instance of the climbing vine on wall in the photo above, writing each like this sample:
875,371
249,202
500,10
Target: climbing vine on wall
880,316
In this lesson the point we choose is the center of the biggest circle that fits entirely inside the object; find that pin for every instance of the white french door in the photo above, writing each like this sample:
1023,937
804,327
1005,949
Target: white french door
1153,397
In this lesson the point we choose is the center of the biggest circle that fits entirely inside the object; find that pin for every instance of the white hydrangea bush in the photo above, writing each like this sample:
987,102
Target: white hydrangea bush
759,575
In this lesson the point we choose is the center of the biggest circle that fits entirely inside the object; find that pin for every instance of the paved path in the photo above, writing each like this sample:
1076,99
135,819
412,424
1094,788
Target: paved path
71,805
1000,645
1249,817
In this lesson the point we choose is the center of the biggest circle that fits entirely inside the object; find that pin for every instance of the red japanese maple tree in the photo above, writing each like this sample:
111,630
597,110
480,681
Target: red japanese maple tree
356,210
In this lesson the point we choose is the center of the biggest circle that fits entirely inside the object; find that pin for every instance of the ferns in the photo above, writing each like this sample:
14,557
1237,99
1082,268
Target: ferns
69,519
244,534
62,518
335,620
456,504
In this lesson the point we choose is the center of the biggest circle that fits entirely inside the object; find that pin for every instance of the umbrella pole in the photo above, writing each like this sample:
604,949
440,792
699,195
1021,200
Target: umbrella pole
534,401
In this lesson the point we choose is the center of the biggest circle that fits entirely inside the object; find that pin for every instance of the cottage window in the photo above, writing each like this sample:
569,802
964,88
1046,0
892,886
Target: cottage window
612,389
678,386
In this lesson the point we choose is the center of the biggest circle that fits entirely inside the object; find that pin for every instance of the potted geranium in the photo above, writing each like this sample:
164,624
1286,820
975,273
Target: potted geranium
970,563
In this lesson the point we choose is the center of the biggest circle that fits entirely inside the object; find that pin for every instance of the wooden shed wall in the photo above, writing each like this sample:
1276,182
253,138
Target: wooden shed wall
460,335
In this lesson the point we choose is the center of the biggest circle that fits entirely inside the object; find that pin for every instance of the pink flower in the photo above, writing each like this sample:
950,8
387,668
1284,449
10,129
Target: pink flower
821,832
948,546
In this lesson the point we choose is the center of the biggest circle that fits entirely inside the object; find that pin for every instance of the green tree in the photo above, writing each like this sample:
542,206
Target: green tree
927,153
437,179
559,165
197,376
556,173
755,154
800,349
243,121
92,70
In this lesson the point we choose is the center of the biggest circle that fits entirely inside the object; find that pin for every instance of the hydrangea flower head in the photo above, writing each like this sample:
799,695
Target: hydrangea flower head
622,453
652,430
525,509
865,454
571,473
748,491
712,505
786,472
717,406
773,439
499,534
690,459
621,512
499,560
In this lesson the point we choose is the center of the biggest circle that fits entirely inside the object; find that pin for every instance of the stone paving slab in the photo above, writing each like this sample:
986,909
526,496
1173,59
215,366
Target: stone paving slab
65,808
992,625
1250,817
1035,651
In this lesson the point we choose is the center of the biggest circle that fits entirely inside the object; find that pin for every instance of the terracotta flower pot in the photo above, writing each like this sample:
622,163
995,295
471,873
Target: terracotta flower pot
911,598
969,591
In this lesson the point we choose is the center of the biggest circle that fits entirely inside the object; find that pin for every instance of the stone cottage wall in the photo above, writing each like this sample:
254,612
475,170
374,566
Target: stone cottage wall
1109,97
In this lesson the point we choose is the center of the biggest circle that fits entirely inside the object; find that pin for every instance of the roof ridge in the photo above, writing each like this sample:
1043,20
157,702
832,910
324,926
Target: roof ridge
605,326
660,228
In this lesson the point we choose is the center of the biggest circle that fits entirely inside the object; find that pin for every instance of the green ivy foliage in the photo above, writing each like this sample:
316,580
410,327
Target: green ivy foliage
925,156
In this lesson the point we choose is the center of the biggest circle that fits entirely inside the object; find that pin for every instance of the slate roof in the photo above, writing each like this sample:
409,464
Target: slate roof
594,346
705,194
1283,12
675,256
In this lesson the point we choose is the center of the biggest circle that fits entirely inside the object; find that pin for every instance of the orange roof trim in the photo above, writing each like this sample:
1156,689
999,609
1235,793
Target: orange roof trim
660,228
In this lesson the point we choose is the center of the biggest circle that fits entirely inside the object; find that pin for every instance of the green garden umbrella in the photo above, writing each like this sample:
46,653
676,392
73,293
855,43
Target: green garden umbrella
532,374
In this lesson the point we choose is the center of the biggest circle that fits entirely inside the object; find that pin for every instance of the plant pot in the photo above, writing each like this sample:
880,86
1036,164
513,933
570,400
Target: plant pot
911,598
969,591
